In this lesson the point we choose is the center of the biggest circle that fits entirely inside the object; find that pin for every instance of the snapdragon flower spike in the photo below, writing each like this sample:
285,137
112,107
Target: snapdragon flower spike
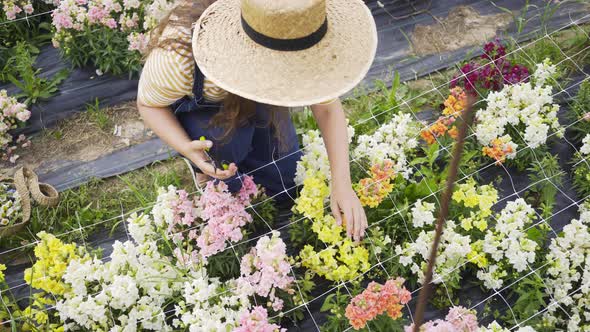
265,269
376,300
492,75
12,115
257,321
458,319
225,215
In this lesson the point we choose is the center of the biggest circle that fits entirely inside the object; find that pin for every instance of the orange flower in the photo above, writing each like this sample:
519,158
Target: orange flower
499,150
453,132
456,101
438,129
374,189
427,136
377,299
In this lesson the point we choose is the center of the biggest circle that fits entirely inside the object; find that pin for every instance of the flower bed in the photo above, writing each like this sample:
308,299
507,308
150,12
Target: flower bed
193,263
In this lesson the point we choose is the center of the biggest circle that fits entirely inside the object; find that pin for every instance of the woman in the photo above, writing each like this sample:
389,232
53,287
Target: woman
207,91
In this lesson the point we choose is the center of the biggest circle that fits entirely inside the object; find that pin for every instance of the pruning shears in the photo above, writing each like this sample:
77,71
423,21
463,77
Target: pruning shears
210,160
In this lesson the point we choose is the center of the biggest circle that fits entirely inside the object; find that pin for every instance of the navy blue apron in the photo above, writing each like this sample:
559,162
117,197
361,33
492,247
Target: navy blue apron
254,148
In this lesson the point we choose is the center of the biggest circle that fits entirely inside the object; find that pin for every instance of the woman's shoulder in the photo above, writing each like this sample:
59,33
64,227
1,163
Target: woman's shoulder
167,73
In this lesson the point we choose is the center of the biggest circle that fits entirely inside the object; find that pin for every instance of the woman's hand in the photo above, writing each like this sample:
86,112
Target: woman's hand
195,151
346,205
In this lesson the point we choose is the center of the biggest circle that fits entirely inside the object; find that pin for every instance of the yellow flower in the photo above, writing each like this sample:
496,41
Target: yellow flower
471,195
53,257
310,202
467,224
327,230
341,260
477,256
2,269
481,224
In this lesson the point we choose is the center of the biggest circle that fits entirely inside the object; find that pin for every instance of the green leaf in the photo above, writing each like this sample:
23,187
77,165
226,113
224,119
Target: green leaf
327,305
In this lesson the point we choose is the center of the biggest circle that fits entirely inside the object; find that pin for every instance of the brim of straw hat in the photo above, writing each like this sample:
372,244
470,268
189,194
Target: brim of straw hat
327,70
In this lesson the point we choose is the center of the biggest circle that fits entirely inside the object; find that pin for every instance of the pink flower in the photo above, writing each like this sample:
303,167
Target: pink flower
23,115
257,321
265,269
248,191
375,300
96,14
62,21
459,319
28,9
138,42
12,11
463,319
225,215
111,23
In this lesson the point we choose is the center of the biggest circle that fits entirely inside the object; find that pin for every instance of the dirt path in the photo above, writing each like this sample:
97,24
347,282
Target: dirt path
463,27
83,137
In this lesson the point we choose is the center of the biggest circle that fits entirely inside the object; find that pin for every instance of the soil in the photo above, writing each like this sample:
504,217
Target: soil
463,27
83,137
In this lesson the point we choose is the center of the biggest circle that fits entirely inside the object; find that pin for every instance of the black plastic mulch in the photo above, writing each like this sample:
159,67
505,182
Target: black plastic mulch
394,54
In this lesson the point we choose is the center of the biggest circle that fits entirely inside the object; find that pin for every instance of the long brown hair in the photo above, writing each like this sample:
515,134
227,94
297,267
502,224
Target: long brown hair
237,111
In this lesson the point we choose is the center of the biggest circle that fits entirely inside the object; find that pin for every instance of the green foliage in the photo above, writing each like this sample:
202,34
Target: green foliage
580,108
528,299
226,264
581,175
35,31
33,87
106,49
545,174
558,48
95,206
368,112
293,303
98,117
335,305
300,232
303,121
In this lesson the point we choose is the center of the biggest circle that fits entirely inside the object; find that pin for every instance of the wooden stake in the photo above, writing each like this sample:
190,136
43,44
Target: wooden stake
442,216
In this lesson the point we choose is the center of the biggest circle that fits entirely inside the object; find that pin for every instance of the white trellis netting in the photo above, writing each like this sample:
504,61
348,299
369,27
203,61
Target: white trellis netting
507,246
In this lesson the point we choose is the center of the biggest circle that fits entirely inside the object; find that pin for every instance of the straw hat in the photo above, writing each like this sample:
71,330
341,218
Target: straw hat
286,52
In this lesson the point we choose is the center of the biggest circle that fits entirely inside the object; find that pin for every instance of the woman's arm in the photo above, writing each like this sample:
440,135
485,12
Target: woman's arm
344,201
163,122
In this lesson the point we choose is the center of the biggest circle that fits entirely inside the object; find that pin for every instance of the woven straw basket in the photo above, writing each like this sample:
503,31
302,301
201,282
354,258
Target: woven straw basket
30,190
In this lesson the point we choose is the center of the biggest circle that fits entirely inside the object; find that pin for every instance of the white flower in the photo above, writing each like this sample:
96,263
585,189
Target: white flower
422,214
585,149
524,106
123,292
495,327
569,275
140,228
452,253
544,71
392,141
507,244
315,158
